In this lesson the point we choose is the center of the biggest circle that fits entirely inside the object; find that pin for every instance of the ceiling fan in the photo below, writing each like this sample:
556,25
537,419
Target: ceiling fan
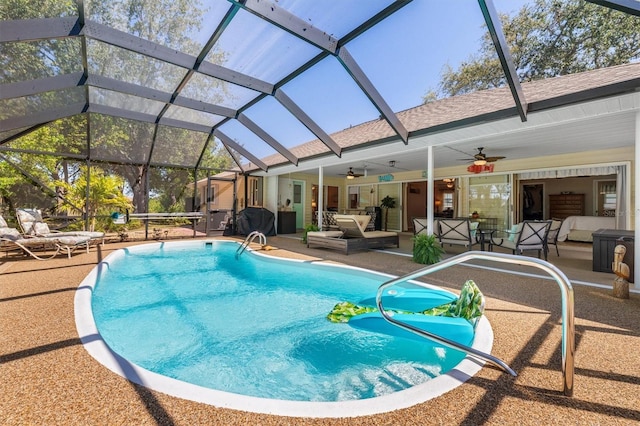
351,174
480,159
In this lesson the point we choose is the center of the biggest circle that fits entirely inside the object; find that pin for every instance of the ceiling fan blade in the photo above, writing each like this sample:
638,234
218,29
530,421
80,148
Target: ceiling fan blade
494,159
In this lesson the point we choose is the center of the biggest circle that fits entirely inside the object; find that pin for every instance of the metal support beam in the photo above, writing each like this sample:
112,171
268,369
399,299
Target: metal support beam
267,138
23,30
631,7
282,18
230,143
502,49
33,87
42,117
294,109
87,197
372,93
157,51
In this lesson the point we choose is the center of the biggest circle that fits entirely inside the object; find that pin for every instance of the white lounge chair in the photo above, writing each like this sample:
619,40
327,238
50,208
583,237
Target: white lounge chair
32,224
11,239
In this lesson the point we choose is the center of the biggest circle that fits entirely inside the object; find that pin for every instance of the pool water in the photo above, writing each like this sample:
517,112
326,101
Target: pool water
253,326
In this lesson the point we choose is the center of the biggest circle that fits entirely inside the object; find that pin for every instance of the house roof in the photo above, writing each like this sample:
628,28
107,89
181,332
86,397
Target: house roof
198,77
482,106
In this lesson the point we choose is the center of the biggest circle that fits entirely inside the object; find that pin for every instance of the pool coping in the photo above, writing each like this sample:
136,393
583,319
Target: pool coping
100,351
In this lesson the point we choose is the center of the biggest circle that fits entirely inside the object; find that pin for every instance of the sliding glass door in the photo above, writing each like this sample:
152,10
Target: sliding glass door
490,198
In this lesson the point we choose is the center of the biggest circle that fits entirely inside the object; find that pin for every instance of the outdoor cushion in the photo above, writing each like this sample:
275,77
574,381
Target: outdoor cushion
32,224
10,233
474,227
330,234
362,219
514,231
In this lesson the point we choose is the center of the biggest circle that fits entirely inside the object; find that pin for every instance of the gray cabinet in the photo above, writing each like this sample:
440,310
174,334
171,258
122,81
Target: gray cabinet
604,242
286,222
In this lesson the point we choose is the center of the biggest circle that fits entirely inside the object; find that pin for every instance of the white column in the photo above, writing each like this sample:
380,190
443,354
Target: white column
636,205
320,196
430,188
270,190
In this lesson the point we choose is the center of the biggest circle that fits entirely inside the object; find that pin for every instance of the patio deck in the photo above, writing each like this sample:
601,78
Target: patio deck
46,376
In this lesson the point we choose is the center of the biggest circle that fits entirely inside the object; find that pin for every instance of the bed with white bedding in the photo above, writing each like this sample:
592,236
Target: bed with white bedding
581,228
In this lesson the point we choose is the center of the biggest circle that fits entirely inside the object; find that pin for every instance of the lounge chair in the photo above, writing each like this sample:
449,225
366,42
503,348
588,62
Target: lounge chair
11,239
32,224
352,235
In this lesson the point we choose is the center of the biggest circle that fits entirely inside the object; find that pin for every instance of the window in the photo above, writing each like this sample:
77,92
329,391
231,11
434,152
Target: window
607,198
213,195
255,192
490,196
447,200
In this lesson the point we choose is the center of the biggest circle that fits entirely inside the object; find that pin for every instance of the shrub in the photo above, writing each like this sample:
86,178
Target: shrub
309,228
426,249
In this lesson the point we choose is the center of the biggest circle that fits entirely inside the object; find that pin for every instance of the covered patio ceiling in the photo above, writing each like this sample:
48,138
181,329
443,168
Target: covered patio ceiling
264,78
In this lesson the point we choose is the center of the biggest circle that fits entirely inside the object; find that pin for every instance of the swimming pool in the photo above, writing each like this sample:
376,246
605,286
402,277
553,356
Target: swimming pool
262,344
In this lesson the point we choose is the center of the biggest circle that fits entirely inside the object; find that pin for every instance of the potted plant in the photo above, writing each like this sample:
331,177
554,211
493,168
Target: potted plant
312,227
427,249
387,203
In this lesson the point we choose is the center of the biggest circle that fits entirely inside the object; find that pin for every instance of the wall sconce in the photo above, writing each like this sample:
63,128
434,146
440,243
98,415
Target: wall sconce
450,182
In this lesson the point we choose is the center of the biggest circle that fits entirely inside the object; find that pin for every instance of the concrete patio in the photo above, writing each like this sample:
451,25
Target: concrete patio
46,376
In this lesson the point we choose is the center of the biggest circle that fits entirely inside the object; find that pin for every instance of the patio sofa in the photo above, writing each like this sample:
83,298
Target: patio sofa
352,235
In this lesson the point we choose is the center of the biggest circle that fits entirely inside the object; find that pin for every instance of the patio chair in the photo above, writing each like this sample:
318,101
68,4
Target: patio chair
554,232
32,224
459,232
528,235
419,226
11,239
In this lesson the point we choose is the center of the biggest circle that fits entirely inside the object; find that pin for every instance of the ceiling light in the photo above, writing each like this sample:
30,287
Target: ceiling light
480,162
450,182
350,176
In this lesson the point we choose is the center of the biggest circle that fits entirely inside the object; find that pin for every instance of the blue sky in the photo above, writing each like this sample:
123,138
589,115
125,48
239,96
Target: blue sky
404,58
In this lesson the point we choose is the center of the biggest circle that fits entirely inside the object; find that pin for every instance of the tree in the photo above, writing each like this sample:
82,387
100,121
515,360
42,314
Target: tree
172,23
105,194
547,39
387,203
60,136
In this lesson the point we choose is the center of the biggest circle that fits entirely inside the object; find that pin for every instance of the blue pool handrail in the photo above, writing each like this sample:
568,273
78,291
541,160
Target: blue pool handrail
568,328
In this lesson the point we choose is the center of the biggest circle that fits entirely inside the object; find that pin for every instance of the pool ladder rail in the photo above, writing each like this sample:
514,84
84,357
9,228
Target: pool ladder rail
262,239
568,328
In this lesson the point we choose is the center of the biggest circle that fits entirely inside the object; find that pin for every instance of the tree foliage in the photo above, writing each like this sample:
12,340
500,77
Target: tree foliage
105,194
170,23
547,39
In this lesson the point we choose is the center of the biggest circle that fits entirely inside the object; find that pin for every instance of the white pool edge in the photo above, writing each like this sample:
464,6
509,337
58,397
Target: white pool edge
99,350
